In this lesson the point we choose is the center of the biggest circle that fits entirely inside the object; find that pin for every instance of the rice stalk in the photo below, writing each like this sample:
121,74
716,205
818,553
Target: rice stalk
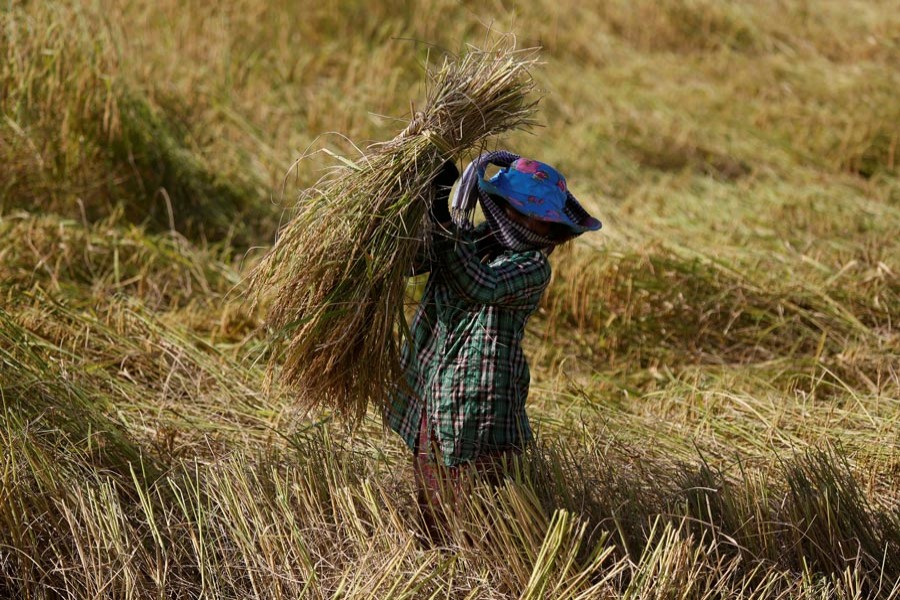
337,274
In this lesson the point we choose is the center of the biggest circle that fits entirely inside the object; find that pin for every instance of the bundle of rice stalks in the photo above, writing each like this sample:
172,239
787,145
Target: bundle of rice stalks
337,273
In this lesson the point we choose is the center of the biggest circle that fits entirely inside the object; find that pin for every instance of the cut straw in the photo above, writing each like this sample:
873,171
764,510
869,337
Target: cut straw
337,273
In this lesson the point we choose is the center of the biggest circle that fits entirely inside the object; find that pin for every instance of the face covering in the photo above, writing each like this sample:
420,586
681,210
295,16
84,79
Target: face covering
531,188
512,235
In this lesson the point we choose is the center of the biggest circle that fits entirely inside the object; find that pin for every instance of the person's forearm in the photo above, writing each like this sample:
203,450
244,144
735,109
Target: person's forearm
439,210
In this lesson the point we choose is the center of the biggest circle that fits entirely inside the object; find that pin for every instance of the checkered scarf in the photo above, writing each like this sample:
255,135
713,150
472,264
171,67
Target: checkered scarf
511,234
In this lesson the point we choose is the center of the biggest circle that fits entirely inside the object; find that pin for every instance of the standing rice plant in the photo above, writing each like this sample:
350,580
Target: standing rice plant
337,273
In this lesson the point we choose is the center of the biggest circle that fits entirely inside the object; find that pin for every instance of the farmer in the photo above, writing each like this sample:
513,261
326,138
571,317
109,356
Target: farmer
462,410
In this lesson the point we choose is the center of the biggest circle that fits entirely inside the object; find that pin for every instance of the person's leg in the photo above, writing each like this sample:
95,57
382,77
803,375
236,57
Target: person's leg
428,486
441,490
457,487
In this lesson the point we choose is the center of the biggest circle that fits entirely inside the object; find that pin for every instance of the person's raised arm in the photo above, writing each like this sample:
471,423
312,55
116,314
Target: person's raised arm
439,213
515,279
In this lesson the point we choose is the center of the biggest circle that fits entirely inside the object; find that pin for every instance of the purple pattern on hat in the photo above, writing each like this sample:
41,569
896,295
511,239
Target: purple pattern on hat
525,165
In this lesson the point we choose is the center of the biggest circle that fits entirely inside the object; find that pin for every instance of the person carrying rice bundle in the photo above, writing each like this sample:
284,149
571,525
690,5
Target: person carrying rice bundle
462,410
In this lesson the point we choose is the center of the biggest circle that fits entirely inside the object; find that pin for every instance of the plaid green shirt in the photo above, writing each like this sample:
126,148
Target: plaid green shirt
464,361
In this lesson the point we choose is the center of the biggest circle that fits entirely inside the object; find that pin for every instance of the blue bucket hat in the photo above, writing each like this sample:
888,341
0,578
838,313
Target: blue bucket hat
538,190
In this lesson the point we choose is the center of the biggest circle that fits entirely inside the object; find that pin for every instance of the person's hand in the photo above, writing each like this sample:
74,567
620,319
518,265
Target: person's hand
443,181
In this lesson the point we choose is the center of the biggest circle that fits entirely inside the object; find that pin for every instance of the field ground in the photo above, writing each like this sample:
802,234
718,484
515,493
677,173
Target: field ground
716,374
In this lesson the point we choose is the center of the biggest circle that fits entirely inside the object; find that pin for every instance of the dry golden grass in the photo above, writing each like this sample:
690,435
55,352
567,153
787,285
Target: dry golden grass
715,379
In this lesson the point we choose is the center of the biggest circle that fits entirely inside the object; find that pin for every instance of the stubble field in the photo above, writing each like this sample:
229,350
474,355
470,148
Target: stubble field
715,375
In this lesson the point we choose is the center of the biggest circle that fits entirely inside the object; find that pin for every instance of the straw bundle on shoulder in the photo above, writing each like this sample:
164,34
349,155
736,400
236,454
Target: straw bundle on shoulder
337,273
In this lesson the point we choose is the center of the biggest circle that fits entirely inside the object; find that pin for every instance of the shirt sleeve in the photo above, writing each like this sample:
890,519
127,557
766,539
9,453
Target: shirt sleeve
514,279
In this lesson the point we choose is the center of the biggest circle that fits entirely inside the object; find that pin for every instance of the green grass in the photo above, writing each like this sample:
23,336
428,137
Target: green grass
715,375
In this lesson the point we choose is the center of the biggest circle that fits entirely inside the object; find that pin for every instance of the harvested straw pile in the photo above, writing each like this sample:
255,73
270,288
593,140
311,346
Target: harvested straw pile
337,273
